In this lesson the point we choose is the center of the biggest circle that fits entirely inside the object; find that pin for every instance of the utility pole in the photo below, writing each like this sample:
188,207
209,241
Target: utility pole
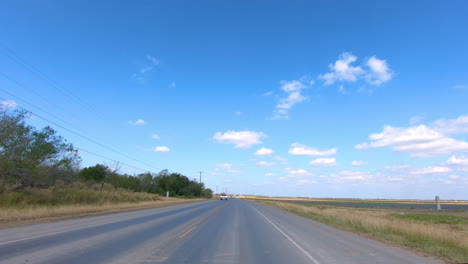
200,176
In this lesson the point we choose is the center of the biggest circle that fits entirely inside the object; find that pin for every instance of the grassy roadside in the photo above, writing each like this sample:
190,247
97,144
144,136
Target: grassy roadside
78,200
443,236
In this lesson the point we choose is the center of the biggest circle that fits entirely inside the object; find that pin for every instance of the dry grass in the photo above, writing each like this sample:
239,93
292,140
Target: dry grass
28,215
448,241
62,202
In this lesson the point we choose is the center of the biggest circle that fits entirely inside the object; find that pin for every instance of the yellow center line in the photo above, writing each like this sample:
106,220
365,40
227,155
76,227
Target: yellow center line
187,232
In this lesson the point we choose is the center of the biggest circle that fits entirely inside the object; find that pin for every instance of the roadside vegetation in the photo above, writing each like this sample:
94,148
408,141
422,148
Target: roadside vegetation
40,170
443,234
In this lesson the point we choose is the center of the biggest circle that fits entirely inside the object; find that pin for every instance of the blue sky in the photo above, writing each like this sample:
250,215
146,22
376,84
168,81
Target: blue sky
362,99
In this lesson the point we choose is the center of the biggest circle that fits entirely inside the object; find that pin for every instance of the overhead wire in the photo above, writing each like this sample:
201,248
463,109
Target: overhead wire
41,75
86,138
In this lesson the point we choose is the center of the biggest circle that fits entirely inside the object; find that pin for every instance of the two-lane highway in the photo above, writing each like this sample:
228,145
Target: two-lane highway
232,231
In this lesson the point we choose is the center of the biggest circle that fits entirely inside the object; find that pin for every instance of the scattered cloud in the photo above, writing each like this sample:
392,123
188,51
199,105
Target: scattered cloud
342,70
305,181
8,104
416,120
452,126
396,167
269,174
458,160
293,173
350,176
228,167
268,93
137,123
269,183
162,149
431,170
376,71
264,152
419,141
298,149
324,162
240,139
172,85
379,71
342,90
151,63
293,96
460,86
358,163
238,113
265,164
154,136
281,160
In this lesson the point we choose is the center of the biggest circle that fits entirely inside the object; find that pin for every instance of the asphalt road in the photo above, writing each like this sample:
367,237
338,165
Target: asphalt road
232,231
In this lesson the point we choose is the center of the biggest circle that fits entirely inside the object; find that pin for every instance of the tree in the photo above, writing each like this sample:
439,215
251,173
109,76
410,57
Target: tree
30,157
97,173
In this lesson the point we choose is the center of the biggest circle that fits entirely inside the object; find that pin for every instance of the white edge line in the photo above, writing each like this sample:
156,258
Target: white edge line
315,261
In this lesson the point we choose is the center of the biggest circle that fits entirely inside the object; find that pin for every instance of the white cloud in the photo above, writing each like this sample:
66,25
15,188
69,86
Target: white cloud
298,149
8,104
152,60
440,147
292,99
431,170
350,176
154,136
268,93
304,181
240,139
376,72
226,167
342,70
379,71
460,86
419,141
172,85
324,162
396,167
151,63
136,123
292,173
293,90
264,152
238,113
416,119
342,90
358,163
265,164
452,126
281,160
162,149
458,160
269,174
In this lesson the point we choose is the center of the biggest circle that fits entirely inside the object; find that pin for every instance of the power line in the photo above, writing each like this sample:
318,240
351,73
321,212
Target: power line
93,141
31,90
40,109
41,75
92,153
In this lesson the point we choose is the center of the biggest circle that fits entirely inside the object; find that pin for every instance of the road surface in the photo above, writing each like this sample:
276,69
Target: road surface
233,231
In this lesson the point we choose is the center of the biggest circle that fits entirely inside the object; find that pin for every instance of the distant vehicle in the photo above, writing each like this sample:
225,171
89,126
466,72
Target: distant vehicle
224,197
